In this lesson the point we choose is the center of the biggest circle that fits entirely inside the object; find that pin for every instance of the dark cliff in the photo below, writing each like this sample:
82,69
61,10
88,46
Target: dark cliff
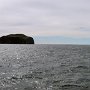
16,39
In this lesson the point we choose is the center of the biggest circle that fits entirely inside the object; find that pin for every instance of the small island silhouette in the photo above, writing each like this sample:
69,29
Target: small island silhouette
16,39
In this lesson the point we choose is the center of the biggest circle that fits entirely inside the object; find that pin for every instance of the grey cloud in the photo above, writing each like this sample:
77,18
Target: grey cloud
45,15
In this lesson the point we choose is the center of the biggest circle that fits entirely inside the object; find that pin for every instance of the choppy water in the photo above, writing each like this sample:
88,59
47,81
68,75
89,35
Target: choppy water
44,67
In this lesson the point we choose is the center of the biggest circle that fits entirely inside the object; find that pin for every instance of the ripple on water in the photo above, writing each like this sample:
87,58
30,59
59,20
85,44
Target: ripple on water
79,69
73,87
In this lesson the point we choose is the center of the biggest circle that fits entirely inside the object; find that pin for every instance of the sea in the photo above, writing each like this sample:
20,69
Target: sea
44,67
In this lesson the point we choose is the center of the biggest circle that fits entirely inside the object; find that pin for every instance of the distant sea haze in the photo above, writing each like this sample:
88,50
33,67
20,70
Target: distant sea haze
44,67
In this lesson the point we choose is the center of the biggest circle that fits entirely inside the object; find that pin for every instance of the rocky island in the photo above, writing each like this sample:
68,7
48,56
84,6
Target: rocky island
16,39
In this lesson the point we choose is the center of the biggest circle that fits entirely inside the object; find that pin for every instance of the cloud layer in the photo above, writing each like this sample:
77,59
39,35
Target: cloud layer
69,18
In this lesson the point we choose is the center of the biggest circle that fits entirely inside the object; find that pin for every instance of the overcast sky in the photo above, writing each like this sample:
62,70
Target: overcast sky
67,21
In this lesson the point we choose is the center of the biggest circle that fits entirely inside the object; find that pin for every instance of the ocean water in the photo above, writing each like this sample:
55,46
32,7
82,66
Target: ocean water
44,67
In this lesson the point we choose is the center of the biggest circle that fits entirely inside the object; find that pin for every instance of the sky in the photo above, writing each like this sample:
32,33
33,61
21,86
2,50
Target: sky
47,21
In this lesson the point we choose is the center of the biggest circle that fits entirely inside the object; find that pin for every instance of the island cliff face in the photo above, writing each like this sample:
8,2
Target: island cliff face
16,39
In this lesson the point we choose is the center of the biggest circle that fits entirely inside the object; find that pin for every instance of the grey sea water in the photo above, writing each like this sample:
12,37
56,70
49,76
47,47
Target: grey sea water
44,67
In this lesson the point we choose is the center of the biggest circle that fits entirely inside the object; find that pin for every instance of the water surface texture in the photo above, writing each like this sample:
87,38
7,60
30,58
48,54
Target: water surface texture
44,67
